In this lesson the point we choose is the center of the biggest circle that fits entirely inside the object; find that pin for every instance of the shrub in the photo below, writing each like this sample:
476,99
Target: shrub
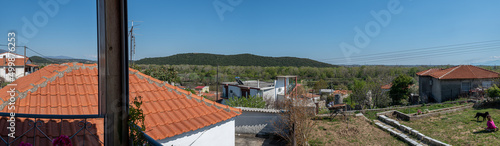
251,101
494,91
136,122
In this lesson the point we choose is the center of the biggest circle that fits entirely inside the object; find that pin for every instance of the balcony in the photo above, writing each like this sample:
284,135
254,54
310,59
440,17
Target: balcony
44,129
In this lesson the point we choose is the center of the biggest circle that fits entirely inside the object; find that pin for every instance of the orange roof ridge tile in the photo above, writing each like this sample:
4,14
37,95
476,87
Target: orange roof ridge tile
449,71
22,93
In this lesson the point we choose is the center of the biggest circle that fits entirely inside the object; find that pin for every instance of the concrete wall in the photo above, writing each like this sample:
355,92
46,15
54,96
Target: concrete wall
236,91
425,88
220,134
280,86
444,90
269,94
256,121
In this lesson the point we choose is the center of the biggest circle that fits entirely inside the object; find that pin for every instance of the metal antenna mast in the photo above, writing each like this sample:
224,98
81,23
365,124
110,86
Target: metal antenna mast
132,41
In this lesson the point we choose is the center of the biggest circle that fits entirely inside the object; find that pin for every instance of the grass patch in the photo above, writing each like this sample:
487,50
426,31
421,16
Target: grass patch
431,107
316,142
459,128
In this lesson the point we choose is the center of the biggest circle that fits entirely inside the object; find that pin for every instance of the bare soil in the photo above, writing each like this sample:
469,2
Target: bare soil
360,132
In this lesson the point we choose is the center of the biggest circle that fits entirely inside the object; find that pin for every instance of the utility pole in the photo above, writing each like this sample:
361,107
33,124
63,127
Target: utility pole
24,67
217,85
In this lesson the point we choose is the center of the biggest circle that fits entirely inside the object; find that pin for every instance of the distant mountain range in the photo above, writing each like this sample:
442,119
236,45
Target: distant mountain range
58,60
232,60
60,57
488,63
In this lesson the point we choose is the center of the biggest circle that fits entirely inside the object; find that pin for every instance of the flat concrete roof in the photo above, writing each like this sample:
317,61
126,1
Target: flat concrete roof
251,84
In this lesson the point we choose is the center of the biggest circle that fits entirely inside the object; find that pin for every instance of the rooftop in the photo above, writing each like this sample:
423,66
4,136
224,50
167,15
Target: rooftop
460,72
251,84
71,89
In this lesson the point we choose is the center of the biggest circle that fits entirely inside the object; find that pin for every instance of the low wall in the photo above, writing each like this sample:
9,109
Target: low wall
406,129
403,107
256,121
414,116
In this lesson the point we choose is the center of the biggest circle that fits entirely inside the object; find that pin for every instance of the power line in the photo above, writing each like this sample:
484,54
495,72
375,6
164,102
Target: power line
420,52
414,50
426,56
45,57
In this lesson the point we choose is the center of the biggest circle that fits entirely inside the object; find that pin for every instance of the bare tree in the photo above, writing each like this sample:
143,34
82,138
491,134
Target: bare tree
295,124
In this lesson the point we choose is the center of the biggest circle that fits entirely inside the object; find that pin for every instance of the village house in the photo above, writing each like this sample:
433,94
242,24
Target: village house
172,116
438,85
203,89
281,88
23,66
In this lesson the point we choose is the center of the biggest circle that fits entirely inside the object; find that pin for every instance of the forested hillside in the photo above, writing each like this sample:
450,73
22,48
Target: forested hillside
232,60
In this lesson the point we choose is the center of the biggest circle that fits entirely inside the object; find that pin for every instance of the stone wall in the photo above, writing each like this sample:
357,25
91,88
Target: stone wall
413,116
406,129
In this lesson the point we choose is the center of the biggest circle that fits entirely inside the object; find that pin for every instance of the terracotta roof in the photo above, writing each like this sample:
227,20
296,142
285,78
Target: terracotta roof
309,95
460,72
342,92
200,87
71,89
17,62
32,65
387,86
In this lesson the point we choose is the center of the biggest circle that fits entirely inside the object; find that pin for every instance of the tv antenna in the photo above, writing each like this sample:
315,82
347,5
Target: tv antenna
132,40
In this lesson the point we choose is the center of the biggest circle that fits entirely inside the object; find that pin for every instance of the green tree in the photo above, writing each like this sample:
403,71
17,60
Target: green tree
399,90
251,101
494,91
321,84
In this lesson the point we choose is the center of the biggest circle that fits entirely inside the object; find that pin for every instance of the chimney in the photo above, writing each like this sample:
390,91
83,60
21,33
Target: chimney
258,84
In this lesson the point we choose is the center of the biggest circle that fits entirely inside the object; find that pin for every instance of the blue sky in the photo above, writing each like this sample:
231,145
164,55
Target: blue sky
299,28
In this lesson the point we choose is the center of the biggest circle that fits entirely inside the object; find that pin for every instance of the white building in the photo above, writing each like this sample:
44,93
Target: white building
282,87
22,64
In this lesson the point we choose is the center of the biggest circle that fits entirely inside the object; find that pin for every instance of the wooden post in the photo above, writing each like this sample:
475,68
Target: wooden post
113,70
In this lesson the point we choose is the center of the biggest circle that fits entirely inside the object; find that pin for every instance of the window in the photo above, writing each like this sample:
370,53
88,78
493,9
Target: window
486,84
465,86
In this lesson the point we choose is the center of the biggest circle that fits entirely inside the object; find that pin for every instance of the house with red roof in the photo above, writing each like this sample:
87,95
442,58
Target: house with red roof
21,65
202,89
172,116
438,85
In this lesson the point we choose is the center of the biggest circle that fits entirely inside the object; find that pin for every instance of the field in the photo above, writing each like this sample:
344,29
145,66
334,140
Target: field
459,128
334,132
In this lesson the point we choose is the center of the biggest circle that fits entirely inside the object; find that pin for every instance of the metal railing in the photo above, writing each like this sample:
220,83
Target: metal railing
36,129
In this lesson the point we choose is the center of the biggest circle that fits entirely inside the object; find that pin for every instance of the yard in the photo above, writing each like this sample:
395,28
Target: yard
334,132
431,107
459,128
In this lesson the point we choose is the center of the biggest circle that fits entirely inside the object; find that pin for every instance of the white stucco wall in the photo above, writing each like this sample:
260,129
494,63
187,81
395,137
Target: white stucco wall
220,134
280,86
19,72
269,94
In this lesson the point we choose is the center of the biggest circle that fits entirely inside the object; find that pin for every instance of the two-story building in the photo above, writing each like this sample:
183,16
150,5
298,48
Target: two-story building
22,66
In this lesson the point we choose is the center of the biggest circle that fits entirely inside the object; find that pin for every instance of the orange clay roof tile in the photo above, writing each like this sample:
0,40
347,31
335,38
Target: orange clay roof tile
460,72
71,89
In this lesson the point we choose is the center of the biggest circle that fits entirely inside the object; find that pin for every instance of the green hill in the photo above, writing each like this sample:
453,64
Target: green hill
40,60
232,60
